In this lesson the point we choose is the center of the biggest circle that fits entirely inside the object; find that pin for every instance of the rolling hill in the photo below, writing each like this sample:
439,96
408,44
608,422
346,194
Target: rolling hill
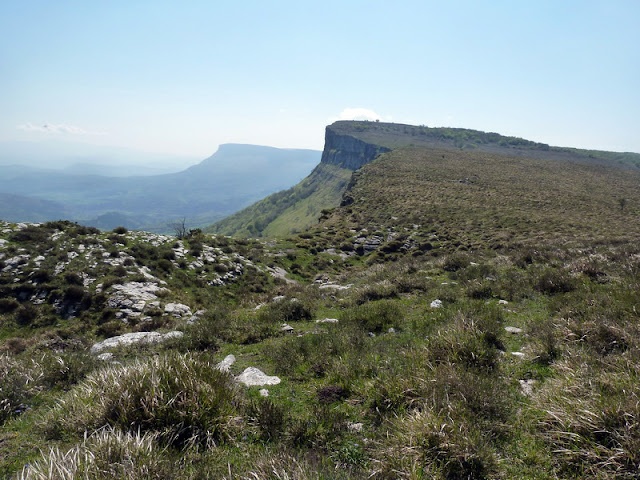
233,177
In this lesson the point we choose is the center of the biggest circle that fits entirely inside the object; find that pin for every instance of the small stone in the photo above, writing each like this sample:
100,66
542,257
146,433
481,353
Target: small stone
513,330
517,354
355,427
391,330
526,386
225,364
286,328
327,320
105,357
436,304
177,310
503,302
264,392
278,298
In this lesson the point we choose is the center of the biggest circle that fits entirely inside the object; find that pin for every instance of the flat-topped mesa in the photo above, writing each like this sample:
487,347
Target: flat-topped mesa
347,151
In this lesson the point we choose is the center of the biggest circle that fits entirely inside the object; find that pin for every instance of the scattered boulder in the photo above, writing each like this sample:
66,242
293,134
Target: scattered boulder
327,320
331,286
526,387
286,328
133,338
436,304
513,330
253,377
177,310
225,364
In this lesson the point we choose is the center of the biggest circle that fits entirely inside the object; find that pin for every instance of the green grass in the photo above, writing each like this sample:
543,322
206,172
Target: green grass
397,388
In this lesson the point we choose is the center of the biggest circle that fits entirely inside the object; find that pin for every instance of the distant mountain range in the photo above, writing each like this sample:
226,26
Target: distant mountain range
232,178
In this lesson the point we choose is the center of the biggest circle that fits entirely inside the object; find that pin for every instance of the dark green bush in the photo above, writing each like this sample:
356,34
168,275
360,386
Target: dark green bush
120,230
553,281
374,317
26,314
8,305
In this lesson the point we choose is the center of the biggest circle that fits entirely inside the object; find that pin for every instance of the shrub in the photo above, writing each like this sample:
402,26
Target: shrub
183,398
41,276
73,278
26,314
8,305
455,262
120,230
374,316
285,311
268,417
377,291
554,281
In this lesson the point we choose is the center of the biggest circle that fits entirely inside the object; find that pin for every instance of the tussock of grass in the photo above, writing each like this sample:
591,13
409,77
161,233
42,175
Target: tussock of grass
182,397
108,453
592,416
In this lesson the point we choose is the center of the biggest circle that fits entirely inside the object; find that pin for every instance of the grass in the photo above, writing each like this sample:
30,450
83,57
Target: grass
397,388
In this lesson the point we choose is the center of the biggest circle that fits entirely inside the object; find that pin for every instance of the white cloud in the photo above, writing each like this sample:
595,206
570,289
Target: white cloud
56,129
358,114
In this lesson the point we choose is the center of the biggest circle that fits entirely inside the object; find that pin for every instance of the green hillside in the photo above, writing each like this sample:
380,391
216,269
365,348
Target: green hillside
461,314
349,145
290,210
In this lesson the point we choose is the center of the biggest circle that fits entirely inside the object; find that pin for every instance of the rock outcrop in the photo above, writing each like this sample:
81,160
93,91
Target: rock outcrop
347,151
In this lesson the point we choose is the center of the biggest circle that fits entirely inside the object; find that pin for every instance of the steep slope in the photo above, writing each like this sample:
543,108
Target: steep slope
233,177
299,207
349,145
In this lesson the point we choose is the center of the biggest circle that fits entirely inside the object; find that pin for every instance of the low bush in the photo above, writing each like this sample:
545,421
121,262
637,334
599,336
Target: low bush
8,305
553,281
26,314
374,317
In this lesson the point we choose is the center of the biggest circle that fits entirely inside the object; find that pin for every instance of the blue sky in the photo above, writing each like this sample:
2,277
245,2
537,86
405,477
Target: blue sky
181,77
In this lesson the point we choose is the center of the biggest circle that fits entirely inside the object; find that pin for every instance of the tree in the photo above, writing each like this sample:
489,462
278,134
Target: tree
179,228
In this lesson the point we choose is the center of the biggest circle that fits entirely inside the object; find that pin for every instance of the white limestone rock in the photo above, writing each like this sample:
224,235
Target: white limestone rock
513,330
328,320
129,339
177,310
226,363
253,377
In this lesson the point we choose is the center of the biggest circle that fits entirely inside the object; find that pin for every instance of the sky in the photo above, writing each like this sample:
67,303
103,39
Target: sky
182,77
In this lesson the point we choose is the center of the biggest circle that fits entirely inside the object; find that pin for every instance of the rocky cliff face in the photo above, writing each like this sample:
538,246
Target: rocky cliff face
348,152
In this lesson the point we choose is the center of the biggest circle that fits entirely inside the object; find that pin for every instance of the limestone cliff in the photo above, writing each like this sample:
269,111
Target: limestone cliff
347,151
